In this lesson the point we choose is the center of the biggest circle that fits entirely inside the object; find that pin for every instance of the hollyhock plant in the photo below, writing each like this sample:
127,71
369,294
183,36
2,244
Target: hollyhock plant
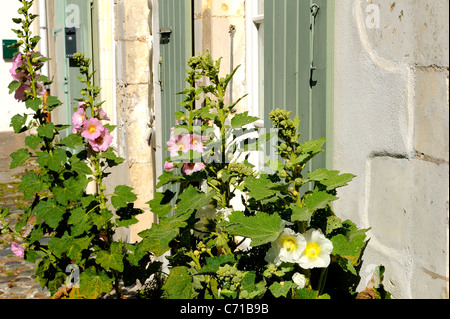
92,129
17,64
299,280
102,143
103,115
287,248
317,251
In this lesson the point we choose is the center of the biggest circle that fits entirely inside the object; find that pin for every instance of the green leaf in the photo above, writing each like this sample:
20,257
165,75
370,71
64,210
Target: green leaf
179,284
49,212
213,263
168,178
14,86
158,238
52,103
94,282
72,190
192,199
160,204
321,174
338,181
260,188
112,259
47,130
33,141
300,214
72,141
349,246
34,104
122,196
281,290
333,222
242,119
318,200
19,157
80,222
82,168
261,228
306,293
54,160
18,122
30,185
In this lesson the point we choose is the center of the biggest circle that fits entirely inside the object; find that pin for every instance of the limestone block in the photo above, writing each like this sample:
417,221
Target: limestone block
432,113
136,57
408,211
136,19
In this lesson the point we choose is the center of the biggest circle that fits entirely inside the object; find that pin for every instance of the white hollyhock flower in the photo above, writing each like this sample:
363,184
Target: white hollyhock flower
317,251
287,248
206,216
299,280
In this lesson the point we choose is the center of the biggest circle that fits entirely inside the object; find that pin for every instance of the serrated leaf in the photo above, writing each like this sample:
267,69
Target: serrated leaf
261,228
158,238
80,222
94,282
54,160
321,174
122,196
14,86
242,119
333,222
192,199
179,284
18,122
160,204
318,200
53,102
33,104
300,214
281,290
19,157
33,141
30,185
47,130
49,212
71,191
260,188
82,168
168,178
112,259
213,263
72,141
338,181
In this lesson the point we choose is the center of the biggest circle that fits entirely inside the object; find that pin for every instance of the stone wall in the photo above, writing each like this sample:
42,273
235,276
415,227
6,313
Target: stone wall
133,42
391,130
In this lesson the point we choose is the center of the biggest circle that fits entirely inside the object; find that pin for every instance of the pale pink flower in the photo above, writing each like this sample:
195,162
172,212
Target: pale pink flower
92,129
82,105
102,143
169,166
190,168
178,143
78,118
196,143
17,64
102,115
21,95
18,250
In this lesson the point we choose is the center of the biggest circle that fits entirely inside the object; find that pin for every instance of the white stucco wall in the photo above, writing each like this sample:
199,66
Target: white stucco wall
391,122
9,106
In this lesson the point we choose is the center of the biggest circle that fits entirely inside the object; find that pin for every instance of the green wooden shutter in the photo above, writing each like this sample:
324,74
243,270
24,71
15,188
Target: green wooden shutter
175,21
67,74
290,45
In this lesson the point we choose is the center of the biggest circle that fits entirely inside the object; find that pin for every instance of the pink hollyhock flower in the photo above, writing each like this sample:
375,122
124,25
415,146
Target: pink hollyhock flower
178,143
191,168
82,105
102,143
196,143
18,250
78,119
17,64
169,166
102,115
92,129
21,95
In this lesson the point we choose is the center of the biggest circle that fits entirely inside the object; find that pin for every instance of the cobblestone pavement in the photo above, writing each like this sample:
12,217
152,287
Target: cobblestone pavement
17,280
